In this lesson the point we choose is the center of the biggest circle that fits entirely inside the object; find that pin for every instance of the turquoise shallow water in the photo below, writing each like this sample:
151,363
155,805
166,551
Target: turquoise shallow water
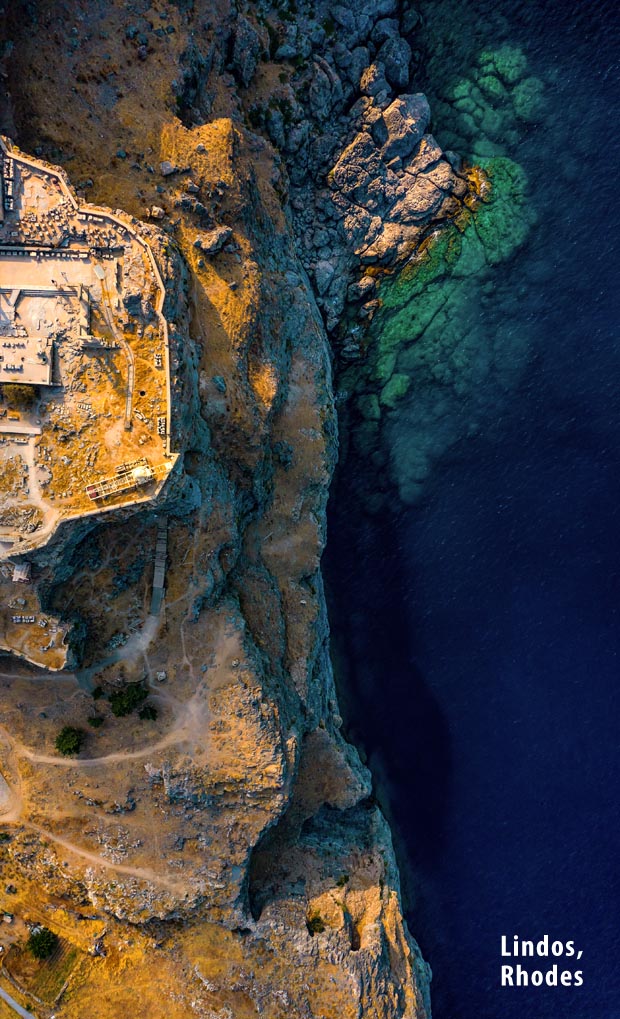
477,625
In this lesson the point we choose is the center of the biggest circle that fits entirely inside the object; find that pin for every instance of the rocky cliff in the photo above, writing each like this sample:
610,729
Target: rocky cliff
227,843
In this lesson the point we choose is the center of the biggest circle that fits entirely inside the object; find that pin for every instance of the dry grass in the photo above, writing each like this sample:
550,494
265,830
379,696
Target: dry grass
12,476
5,1011
44,979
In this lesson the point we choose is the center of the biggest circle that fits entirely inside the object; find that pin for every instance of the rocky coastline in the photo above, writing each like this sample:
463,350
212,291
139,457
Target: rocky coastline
288,160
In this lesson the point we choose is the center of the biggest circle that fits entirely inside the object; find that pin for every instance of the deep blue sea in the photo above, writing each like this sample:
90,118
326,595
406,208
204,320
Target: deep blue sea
477,633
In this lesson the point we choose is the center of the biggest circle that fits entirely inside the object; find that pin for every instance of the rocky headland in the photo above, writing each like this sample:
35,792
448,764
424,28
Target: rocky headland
226,848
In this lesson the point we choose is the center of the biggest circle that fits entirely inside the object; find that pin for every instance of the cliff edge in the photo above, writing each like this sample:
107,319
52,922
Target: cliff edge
215,848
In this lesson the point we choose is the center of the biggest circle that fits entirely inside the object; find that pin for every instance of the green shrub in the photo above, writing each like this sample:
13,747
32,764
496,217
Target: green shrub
42,943
124,701
96,721
148,713
69,741
20,397
315,924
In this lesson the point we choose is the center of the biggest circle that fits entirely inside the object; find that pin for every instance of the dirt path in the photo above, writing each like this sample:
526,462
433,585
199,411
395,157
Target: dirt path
191,725
143,873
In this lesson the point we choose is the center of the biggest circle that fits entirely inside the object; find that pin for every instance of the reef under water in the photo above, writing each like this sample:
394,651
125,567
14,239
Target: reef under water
473,563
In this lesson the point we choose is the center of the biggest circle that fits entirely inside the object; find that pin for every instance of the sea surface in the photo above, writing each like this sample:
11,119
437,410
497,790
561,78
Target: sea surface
477,632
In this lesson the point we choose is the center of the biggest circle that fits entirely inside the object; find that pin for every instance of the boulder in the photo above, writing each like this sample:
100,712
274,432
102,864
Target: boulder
357,65
386,28
421,200
319,94
426,155
362,288
441,175
214,240
166,168
360,228
374,122
395,55
323,275
386,245
352,19
405,120
246,51
373,80
363,178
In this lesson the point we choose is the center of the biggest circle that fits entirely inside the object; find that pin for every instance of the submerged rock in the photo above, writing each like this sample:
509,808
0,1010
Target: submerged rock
432,360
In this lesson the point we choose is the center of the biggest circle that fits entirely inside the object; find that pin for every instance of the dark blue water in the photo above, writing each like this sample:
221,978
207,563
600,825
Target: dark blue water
478,633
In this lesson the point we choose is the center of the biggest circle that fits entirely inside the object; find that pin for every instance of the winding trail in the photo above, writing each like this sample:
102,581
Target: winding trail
143,873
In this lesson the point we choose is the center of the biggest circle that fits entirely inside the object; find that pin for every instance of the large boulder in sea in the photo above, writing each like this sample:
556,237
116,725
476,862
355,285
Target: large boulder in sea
363,178
406,120
395,55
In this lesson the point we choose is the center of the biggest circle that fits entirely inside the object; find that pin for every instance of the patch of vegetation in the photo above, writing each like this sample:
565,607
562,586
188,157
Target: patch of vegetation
69,741
329,27
315,924
98,693
42,943
342,880
124,701
148,713
20,397
4,836
255,116
44,978
96,721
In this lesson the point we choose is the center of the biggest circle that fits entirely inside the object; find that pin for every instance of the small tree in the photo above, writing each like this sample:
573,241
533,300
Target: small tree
69,740
42,942
124,701
20,397
315,924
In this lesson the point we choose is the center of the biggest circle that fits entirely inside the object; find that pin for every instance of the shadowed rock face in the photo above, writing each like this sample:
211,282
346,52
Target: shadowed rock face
231,825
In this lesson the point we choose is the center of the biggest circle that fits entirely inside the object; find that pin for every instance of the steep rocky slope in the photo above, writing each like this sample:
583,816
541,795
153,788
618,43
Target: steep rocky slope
231,846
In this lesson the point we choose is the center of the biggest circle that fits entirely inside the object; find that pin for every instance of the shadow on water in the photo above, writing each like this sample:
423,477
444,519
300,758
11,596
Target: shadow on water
476,634
379,678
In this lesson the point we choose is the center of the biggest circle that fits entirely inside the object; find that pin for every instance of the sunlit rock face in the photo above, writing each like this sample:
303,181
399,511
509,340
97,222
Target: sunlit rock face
428,356
213,821
435,364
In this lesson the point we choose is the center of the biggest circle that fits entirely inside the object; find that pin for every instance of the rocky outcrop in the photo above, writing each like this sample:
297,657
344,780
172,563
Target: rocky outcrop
293,165
235,806
392,181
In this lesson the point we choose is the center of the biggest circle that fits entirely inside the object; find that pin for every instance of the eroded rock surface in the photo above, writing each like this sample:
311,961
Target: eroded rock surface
223,846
